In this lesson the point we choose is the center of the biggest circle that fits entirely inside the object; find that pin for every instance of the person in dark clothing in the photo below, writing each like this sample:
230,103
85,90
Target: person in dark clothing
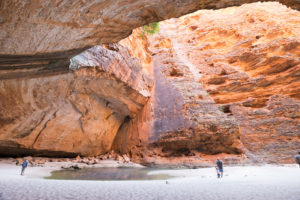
24,165
218,173
297,158
220,167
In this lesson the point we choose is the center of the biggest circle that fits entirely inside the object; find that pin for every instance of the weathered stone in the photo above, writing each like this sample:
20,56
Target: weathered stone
73,113
96,161
220,86
118,158
19,161
239,89
126,158
39,161
39,37
77,157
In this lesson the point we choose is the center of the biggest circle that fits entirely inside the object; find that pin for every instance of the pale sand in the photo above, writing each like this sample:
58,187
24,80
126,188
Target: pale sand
240,183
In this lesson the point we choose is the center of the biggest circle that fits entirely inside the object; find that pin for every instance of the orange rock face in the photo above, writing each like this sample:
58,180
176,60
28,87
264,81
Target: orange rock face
74,113
251,67
227,81
43,35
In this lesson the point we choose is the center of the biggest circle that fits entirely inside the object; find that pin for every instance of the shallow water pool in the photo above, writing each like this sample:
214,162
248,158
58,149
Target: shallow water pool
108,174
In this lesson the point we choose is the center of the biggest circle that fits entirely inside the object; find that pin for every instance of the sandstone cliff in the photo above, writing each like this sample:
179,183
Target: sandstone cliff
226,81
39,37
72,113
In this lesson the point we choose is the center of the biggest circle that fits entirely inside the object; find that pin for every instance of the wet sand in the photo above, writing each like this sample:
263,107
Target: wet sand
239,182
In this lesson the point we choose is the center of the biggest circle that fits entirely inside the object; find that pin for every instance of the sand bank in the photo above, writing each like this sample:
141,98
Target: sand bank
239,182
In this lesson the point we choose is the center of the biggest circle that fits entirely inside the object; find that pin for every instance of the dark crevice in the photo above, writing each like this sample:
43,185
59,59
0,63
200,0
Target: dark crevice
77,110
16,151
225,108
123,129
30,131
44,127
108,116
12,66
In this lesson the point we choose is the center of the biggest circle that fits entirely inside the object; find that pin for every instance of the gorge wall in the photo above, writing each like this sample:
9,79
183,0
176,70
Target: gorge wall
225,81
210,84
39,37
73,113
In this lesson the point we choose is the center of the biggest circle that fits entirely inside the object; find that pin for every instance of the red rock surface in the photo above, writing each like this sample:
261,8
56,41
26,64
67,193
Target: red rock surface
226,81
74,113
39,37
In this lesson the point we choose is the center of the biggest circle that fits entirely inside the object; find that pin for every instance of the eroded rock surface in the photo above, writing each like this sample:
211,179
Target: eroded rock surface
251,67
73,113
39,37
227,81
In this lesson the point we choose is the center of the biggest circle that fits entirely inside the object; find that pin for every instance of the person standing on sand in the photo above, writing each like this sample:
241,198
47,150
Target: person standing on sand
220,167
297,158
218,173
24,165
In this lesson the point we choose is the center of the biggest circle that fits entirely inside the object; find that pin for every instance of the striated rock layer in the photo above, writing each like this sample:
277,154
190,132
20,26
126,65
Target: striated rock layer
39,37
73,113
226,81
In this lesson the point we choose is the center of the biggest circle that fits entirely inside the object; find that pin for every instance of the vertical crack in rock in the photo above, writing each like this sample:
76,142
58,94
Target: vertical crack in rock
44,127
77,110
120,143
32,129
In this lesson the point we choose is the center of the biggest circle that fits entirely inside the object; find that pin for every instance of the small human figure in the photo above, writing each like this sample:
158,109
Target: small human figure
24,165
220,167
218,173
297,158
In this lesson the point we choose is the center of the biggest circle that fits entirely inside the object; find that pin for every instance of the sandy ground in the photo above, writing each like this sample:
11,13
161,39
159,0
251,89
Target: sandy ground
240,182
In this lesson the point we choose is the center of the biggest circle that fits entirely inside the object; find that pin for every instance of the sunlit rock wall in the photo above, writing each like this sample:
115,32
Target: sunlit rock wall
79,112
226,81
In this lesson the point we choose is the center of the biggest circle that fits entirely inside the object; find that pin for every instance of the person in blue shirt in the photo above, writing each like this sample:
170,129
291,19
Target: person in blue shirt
220,167
24,165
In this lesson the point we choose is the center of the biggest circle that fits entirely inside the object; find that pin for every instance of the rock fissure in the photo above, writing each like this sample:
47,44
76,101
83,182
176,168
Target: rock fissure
32,129
79,120
43,128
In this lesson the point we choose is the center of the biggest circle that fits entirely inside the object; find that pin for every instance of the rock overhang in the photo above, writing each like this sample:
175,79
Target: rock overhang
43,35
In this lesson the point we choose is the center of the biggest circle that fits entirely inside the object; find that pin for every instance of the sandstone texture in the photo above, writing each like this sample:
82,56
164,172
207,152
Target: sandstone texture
72,113
222,83
225,81
39,37
250,67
